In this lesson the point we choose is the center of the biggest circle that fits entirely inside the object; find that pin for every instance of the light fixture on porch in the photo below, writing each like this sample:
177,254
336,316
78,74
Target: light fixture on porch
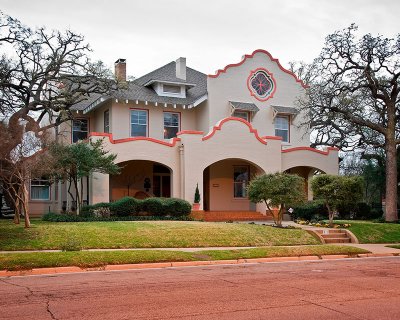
147,184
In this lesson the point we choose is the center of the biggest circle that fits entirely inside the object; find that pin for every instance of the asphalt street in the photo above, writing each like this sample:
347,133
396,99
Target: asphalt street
339,289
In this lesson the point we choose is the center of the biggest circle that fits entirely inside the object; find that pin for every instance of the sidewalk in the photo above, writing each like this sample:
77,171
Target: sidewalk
373,248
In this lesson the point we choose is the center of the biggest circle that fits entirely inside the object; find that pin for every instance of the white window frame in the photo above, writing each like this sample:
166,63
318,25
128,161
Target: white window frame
247,113
42,183
106,123
278,127
73,131
139,124
243,183
170,126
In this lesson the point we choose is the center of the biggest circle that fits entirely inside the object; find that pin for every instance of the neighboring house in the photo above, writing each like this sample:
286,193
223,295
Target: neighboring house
176,127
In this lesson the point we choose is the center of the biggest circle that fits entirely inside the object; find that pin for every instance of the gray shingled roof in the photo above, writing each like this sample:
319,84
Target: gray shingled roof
287,110
137,91
245,106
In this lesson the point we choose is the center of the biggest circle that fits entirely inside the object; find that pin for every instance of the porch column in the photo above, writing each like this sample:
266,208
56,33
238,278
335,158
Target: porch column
99,188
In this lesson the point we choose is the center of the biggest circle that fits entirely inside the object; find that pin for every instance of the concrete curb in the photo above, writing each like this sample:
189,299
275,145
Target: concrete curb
157,265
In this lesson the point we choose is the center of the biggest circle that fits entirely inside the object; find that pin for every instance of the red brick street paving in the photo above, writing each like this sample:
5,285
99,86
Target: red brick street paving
333,289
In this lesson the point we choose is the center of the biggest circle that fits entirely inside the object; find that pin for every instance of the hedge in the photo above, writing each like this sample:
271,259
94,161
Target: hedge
129,206
59,217
311,210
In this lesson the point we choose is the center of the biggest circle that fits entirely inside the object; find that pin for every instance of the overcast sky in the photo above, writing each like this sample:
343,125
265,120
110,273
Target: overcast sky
209,33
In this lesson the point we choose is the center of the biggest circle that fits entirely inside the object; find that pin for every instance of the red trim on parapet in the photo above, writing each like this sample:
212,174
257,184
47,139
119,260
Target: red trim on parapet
220,123
251,56
325,153
271,138
110,137
189,132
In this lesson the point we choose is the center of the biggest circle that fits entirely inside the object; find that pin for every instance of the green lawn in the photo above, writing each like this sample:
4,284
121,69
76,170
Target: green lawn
85,259
145,234
396,246
369,232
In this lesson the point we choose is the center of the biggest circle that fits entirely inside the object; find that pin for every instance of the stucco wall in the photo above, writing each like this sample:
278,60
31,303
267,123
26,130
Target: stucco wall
120,120
231,85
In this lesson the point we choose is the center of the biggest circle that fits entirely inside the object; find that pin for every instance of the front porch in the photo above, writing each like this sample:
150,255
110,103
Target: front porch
224,216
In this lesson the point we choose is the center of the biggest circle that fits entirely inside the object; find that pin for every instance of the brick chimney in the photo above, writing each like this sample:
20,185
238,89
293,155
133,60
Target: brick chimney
181,68
120,70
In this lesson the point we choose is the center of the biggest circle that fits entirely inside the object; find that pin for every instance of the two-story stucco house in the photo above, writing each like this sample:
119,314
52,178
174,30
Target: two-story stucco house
176,127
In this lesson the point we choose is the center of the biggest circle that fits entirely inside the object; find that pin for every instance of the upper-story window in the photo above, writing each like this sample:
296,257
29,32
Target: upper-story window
171,124
168,88
80,129
107,121
139,123
282,128
40,189
242,114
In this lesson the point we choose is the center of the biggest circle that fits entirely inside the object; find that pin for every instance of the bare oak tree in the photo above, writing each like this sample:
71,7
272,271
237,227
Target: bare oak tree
353,98
43,74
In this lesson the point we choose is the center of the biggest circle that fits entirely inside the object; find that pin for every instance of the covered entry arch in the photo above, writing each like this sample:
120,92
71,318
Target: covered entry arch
141,179
225,185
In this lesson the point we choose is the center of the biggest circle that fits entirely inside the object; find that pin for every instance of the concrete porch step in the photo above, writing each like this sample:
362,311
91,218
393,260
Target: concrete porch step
334,235
330,231
337,240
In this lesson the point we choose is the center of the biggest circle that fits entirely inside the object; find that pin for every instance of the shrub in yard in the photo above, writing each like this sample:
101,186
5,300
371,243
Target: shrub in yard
176,207
125,207
153,206
311,210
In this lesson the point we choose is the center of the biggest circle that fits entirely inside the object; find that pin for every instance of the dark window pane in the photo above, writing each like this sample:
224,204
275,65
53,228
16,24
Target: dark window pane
138,130
170,132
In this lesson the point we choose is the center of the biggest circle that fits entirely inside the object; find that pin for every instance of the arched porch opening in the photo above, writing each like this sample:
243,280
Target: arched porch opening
307,173
225,185
141,179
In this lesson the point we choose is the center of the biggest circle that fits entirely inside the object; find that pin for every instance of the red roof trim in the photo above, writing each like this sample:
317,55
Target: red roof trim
247,56
325,153
220,123
110,137
189,132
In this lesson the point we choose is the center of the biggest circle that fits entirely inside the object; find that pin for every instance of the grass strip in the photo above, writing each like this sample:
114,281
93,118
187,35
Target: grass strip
149,234
371,232
87,259
395,246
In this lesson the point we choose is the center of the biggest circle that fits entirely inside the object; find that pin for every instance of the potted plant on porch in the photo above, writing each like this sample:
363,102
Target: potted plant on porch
196,204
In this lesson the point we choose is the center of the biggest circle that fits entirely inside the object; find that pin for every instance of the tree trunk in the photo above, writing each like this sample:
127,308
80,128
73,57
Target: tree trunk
272,213
280,213
17,213
24,196
391,180
330,214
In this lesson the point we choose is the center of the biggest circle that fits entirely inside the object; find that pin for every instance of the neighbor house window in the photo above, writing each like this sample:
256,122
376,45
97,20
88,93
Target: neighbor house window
106,121
80,129
167,88
171,124
139,123
242,114
40,189
240,181
282,128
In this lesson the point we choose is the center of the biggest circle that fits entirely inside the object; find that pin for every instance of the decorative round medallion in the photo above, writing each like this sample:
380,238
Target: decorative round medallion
261,84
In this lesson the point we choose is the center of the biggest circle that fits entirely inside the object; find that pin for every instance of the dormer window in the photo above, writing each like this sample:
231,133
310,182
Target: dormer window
168,88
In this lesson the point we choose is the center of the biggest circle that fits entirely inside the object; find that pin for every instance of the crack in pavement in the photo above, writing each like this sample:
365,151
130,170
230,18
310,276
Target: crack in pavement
331,309
49,311
31,293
